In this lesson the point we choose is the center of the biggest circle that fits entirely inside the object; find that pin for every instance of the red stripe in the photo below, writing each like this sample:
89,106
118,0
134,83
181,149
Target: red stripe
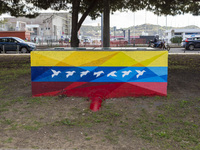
102,89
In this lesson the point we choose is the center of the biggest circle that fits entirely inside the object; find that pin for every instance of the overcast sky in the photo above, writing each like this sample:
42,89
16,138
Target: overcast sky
127,19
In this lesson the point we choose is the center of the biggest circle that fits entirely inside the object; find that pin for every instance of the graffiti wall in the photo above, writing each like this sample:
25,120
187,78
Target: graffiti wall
104,73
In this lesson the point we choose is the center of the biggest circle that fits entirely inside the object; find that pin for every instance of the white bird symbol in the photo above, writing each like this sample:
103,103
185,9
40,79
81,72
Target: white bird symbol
98,73
83,73
125,73
112,74
55,73
70,73
140,73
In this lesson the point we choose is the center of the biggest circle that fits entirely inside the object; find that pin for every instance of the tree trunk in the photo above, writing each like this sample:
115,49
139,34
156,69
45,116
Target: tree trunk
74,31
77,24
106,23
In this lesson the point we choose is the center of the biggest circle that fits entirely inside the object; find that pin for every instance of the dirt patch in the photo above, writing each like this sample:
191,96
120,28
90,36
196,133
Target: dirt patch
183,75
156,123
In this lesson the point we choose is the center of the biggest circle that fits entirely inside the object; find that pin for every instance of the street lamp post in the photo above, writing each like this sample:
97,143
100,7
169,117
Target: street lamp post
134,30
102,29
114,28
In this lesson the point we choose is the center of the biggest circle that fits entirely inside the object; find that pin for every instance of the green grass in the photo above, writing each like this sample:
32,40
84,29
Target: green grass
9,140
11,73
89,119
165,122
170,123
31,127
88,138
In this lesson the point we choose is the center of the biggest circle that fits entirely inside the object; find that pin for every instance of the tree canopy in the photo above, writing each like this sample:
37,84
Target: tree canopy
94,8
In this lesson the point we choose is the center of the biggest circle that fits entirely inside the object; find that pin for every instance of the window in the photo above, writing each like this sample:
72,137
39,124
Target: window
11,40
3,40
197,38
178,33
35,30
6,40
192,33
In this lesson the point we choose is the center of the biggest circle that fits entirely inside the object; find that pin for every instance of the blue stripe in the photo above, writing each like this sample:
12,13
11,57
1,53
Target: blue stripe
87,74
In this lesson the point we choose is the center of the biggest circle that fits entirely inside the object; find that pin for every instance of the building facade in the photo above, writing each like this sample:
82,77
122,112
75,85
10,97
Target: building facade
184,33
46,26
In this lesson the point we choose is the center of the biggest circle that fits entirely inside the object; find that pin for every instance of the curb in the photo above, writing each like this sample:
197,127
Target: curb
168,54
183,53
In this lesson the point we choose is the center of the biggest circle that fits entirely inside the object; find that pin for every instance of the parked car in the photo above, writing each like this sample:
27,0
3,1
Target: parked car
183,42
192,43
86,41
66,40
15,43
119,41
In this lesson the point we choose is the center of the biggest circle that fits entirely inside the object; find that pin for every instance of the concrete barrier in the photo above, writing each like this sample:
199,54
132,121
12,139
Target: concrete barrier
99,73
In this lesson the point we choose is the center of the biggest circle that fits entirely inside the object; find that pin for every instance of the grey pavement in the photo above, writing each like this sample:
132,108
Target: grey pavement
182,51
172,51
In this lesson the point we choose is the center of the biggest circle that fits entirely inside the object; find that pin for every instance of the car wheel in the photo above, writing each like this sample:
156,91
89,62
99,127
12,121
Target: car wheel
191,47
24,50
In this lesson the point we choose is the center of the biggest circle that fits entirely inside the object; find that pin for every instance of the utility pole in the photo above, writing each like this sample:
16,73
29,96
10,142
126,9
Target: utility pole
114,28
145,22
102,29
134,32
157,26
129,39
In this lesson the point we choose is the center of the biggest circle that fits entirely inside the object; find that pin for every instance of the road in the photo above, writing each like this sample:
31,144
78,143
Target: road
182,50
172,51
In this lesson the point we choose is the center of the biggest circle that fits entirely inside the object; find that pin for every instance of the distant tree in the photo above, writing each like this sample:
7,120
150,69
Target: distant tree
176,39
3,21
94,8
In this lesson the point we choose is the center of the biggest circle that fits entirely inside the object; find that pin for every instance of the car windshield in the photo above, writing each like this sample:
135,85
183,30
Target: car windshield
20,40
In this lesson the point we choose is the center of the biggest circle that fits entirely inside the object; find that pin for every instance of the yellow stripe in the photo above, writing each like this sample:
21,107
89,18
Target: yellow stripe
99,58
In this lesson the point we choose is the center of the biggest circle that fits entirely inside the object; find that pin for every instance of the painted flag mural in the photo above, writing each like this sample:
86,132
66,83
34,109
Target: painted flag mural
99,73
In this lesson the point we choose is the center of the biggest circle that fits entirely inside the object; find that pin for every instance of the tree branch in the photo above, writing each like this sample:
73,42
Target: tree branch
90,8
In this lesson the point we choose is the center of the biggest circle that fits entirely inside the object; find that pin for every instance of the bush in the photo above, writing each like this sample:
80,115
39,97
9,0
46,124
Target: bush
176,39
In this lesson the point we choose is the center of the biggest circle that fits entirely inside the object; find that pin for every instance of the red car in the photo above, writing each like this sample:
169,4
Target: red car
118,41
